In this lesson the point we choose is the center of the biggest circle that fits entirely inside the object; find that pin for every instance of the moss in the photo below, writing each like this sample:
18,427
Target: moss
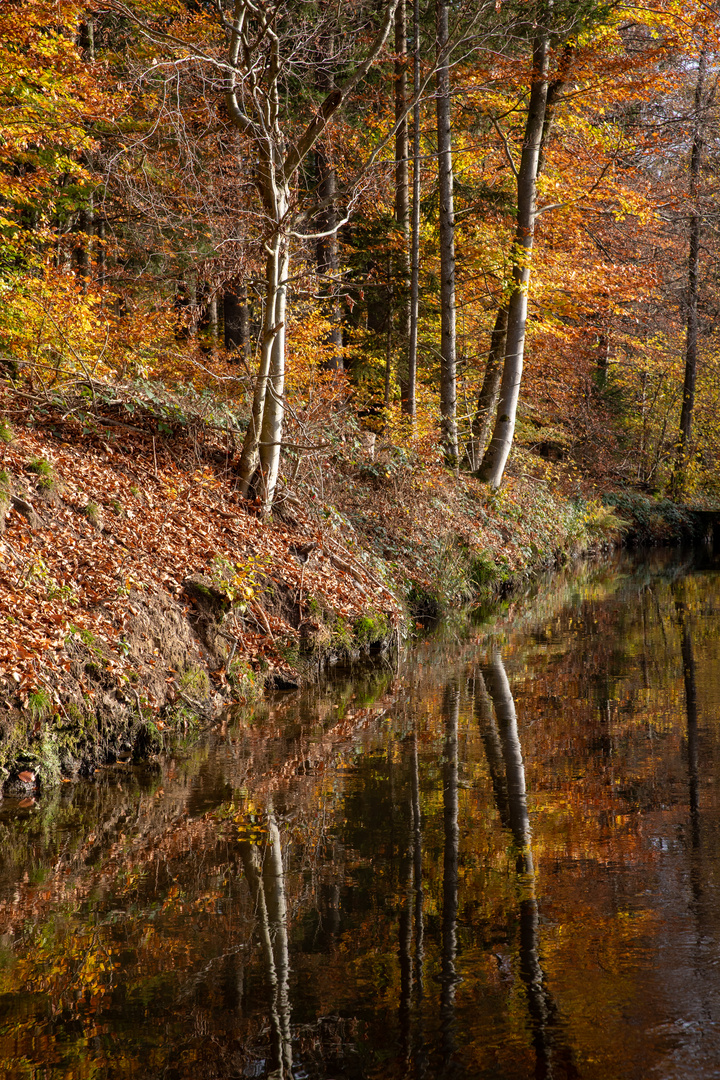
371,629
48,758
195,682
6,432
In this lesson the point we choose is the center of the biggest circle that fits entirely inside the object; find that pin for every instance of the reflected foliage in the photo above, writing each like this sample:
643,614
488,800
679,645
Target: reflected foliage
498,863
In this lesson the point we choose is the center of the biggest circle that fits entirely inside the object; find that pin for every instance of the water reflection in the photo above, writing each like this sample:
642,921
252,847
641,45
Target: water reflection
449,978
505,864
265,876
505,761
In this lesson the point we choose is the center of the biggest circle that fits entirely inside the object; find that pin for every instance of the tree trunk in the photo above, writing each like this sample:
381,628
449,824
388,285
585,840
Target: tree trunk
409,401
278,159
274,887
493,465
487,398
274,405
402,191
388,338
448,365
451,830
417,869
101,252
691,712
275,273
328,257
691,324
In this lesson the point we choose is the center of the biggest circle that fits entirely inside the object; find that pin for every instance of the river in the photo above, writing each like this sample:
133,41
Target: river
499,859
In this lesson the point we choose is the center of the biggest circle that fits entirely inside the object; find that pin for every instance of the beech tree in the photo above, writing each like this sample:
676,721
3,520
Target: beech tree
493,465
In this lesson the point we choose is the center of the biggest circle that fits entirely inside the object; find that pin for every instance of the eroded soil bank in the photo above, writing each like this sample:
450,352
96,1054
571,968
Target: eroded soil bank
140,594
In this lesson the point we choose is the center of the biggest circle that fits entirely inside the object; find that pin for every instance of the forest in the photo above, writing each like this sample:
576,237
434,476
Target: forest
318,318
466,224
359,534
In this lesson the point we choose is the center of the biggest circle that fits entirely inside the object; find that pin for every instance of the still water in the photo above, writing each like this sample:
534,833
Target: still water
501,860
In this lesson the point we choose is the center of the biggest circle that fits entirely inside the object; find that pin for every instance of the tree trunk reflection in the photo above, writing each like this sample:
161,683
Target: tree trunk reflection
451,709
553,1057
266,879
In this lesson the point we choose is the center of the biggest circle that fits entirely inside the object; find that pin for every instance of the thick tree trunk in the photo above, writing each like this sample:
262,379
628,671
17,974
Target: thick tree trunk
409,401
266,882
273,320
448,364
274,886
493,465
691,315
487,398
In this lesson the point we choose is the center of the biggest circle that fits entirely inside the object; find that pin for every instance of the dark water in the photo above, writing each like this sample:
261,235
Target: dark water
501,861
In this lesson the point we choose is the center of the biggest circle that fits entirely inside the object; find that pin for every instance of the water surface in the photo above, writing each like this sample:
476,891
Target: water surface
499,861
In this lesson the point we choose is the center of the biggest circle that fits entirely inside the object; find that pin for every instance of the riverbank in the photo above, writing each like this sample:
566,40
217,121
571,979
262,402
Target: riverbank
140,595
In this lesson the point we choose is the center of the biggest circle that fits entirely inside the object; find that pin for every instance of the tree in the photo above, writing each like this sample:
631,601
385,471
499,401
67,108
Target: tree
702,99
448,345
493,465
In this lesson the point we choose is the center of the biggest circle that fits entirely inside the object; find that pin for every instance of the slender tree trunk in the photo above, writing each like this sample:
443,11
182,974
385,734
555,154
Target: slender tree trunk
85,227
448,364
274,406
487,398
101,253
691,325
388,337
402,191
278,159
405,951
328,258
418,869
691,712
493,465
409,402
212,319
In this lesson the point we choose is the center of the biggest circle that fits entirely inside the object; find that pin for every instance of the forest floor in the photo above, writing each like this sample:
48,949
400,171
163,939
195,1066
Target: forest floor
140,593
